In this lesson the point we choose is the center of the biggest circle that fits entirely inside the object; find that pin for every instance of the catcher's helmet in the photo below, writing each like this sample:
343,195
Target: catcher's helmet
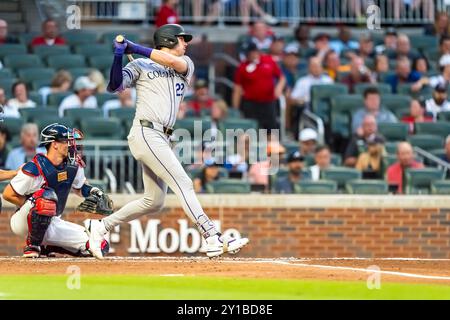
166,36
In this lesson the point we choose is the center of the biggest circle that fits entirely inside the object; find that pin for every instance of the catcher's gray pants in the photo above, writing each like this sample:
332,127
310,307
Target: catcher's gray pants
161,168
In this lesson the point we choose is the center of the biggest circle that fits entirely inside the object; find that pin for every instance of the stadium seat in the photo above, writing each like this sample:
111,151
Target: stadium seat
30,74
6,84
405,89
32,114
291,147
36,97
234,113
78,37
440,187
367,187
45,119
419,180
444,116
14,126
6,73
94,49
39,83
26,37
389,160
100,128
440,128
321,96
46,51
54,99
421,42
395,101
384,76
105,96
66,61
382,87
426,141
393,131
9,49
228,186
191,123
122,113
341,175
78,72
235,123
316,187
342,108
18,61
101,62
79,114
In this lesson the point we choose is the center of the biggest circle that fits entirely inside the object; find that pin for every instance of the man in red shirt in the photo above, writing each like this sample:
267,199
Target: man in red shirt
201,99
49,35
258,83
416,114
396,172
167,13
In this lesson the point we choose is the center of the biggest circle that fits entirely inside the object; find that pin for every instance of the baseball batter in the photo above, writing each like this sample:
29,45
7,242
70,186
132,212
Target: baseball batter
161,79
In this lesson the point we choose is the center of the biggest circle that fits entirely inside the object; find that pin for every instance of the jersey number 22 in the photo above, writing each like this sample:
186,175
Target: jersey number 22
180,89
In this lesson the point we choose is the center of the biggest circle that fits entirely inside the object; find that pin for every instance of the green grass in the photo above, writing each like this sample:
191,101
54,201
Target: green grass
157,287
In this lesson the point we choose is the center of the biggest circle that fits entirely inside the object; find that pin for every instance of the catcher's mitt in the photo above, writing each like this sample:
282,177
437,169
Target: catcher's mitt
97,202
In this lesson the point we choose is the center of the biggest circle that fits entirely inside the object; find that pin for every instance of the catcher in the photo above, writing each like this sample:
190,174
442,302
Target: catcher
41,188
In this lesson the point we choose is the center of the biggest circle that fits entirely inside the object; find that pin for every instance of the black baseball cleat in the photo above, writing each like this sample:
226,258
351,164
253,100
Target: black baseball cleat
31,251
48,252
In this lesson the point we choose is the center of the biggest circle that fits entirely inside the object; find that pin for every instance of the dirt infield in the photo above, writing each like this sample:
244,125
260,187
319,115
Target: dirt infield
393,270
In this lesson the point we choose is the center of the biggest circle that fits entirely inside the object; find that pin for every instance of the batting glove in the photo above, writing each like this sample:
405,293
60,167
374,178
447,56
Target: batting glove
119,48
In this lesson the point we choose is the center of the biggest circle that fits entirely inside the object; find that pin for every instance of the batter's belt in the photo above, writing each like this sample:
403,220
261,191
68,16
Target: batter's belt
156,126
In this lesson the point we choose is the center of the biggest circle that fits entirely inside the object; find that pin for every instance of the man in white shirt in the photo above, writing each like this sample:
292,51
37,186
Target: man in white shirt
301,93
82,98
439,102
323,161
126,99
443,78
8,111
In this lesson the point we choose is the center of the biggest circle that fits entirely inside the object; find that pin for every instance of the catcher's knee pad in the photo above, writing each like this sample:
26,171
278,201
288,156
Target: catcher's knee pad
39,218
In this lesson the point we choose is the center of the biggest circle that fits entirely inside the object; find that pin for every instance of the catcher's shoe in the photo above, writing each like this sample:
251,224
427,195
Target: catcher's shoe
218,245
96,231
31,251
48,252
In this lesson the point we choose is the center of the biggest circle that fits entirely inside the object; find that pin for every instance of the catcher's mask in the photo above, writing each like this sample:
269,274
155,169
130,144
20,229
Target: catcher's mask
59,132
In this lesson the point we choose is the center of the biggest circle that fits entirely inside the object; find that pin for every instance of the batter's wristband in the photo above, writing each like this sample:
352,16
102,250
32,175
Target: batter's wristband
141,50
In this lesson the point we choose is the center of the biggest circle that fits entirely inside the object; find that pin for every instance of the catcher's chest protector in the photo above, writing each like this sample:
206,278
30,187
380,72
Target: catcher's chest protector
58,178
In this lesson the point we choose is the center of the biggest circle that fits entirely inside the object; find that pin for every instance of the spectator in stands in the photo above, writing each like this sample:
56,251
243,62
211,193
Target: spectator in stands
321,44
344,41
358,142
259,172
209,173
439,102
308,139
291,66
333,65
29,136
372,105
50,35
276,48
201,50
302,37
201,100
261,35
4,36
366,47
258,83
443,78
381,66
421,65
441,27
219,112
20,93
416,114
403,74
83,96
390,41
97,77
167,13
322,159
404,48
301,93
359,73
240,161
8,111
61,82
296,164
444,45
370,162
126,99
405,160
5,137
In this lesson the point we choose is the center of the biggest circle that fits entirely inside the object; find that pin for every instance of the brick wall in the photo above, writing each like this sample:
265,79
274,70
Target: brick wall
302,227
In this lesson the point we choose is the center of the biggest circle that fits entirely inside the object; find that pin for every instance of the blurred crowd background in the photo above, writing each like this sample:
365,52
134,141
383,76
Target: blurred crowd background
359,109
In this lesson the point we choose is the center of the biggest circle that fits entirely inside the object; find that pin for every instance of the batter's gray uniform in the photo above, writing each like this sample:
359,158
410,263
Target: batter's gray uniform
159,91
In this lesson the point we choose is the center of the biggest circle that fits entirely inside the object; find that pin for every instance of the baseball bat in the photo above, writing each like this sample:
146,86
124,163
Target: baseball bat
120,39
